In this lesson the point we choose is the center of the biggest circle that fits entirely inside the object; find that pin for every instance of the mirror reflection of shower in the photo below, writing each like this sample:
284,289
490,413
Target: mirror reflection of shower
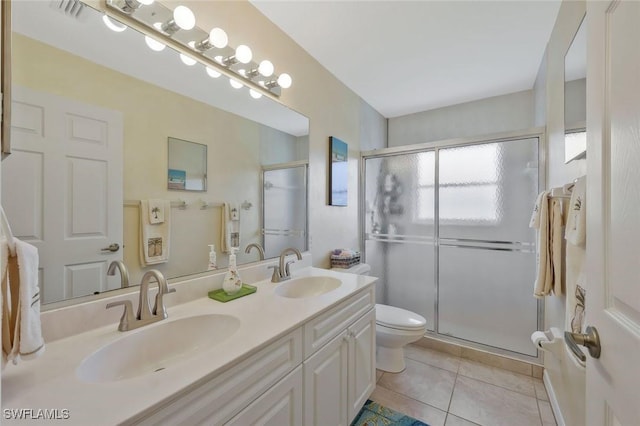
284,195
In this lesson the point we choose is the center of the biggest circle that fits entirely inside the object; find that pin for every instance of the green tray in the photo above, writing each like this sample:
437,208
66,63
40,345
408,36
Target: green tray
221,296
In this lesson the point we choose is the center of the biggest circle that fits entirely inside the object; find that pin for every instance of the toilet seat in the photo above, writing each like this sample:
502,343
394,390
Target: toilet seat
399,319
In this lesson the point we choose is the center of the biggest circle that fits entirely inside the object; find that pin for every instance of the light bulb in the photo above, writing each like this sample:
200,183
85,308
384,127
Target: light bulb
184,17
235,83
218,38
187,60
243,54
254,94
212,73
113,25
153,44
265,68
284,81
145,2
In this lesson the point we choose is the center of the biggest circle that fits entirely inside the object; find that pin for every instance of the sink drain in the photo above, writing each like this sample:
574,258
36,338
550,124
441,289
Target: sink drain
158,369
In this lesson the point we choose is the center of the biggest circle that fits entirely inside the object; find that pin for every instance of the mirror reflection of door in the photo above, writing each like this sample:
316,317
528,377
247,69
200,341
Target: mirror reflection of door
575,96
62,190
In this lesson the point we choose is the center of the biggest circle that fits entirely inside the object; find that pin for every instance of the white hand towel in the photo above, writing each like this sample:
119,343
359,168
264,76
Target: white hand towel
225,229
577,219
156,211
154,238
22,335
535,215
542,286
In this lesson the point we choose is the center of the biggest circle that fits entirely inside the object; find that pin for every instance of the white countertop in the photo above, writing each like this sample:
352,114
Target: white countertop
50,382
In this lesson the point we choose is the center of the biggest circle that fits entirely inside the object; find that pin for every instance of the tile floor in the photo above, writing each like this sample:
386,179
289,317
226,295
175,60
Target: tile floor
442,389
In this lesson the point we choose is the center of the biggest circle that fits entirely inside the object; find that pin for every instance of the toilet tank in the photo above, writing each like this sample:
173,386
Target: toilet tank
359,269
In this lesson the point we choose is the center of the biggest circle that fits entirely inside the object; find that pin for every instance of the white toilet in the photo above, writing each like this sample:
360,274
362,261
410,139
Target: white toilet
395,328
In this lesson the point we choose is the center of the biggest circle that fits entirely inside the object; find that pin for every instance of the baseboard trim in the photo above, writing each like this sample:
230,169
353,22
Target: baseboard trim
553,399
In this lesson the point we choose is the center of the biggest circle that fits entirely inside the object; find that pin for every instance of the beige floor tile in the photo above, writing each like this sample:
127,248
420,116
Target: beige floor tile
439,345
457,421
516,366
408,406
541,392
497,376
546,413
422,382
379,374
537,371
432,357
487,404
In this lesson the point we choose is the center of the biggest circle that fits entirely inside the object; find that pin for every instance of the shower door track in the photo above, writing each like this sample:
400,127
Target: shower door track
536,132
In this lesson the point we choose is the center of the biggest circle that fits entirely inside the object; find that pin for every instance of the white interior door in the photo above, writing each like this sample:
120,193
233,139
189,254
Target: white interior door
62,189
613,211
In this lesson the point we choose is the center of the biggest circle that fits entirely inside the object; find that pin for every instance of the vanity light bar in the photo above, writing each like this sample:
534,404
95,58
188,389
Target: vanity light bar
176,28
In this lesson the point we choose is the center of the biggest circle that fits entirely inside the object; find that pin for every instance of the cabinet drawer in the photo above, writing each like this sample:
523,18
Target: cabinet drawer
321,329
279,406
219,399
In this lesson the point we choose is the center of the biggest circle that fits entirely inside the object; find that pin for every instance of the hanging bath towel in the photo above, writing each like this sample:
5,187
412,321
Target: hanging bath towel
540,222
154,238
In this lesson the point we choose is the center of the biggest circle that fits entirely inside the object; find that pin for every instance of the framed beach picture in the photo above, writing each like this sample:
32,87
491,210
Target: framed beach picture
338,173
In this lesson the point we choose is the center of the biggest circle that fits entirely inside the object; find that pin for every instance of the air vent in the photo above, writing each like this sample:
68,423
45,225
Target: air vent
71,8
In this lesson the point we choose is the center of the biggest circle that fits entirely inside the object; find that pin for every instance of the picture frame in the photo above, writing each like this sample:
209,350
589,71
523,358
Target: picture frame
338,172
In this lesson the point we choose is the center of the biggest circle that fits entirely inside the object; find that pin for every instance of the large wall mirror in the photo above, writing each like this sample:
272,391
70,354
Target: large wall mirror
92,111
575,96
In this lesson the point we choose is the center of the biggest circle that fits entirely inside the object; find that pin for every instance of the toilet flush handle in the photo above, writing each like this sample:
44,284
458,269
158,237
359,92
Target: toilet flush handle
590,340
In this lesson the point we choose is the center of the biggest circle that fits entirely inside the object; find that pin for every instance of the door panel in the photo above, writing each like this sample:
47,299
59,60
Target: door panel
613,208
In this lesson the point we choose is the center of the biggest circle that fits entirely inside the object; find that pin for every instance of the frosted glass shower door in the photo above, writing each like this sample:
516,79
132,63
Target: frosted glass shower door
486,249
399,230
284,209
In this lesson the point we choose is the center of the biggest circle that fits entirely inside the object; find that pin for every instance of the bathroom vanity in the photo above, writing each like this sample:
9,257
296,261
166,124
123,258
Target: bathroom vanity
281,357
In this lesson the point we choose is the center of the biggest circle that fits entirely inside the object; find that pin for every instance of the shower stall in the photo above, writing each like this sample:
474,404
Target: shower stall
446,229
284,207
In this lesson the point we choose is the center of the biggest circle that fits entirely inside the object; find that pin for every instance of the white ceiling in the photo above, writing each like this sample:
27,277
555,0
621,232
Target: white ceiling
403,57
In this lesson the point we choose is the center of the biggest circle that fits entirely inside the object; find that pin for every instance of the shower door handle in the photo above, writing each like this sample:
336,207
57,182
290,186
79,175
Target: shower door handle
590,340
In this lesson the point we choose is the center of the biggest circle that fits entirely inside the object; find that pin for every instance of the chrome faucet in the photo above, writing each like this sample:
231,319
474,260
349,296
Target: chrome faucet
281,272
258,247
145,315
124,275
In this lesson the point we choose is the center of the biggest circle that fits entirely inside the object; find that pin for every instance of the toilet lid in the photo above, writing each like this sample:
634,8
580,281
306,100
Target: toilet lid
392,317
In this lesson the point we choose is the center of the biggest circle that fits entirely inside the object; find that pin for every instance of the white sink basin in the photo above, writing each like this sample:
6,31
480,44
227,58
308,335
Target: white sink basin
307,287
156,347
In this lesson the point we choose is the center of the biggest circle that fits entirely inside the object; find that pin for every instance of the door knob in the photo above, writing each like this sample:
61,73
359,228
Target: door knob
590,340
112,247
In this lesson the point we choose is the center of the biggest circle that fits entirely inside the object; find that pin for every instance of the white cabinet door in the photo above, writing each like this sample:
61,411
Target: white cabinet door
613,208
362,362
279,406
325,384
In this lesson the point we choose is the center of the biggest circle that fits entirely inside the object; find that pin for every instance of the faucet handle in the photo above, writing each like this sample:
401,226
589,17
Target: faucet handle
127,315
275,278
287,272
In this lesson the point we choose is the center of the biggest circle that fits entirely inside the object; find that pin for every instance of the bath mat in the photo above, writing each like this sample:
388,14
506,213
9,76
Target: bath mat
374,414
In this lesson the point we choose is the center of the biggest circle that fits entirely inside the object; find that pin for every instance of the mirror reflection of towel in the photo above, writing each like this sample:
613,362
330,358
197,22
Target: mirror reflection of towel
154,237
156,211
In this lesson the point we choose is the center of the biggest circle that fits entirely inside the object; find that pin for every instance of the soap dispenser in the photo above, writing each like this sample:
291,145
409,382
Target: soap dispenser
212,258
232,282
